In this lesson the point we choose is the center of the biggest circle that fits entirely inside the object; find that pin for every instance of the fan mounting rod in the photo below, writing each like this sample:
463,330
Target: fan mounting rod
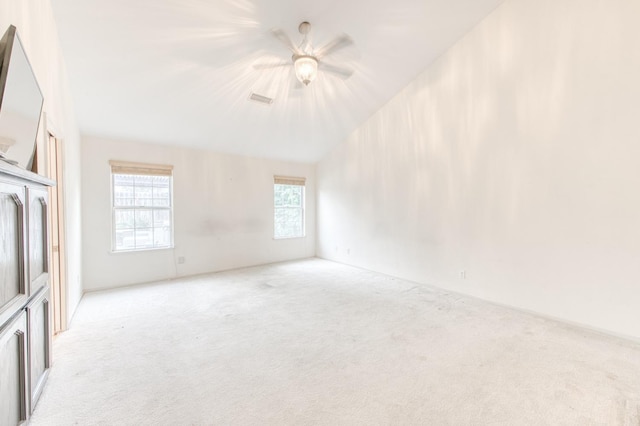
304,28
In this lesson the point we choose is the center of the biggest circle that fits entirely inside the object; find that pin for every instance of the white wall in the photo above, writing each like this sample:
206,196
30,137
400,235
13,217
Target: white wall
223,213
36,27
515,158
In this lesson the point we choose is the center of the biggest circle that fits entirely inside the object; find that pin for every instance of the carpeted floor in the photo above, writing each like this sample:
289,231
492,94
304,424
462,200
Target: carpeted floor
318,343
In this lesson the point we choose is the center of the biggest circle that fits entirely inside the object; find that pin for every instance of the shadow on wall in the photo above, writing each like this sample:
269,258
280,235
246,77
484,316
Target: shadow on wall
500,171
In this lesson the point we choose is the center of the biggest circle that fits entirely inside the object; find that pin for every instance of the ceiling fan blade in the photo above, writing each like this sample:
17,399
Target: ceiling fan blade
270,66
284,39
334,45
341,72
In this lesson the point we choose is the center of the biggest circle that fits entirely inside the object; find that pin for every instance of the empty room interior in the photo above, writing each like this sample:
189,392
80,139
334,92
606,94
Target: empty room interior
251,212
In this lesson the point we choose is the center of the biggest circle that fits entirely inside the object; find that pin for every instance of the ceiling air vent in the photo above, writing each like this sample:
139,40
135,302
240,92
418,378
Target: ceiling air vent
260,99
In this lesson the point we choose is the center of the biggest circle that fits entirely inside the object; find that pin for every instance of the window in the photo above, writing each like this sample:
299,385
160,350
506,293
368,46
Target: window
141,206
288,201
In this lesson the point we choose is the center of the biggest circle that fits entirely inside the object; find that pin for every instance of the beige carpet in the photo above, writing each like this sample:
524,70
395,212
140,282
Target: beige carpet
318,343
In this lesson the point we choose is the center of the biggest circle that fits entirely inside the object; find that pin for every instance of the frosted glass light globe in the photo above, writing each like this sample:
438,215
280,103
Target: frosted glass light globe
306,68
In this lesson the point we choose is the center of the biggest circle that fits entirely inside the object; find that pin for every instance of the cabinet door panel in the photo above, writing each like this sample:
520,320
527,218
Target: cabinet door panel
38,319
13,372
38,258
13,291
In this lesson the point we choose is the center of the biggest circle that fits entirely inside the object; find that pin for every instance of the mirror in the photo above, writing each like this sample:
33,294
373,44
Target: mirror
20,102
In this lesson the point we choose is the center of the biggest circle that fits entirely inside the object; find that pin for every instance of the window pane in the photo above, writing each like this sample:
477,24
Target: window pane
161,181
144,219
144,195
125,239
122,191
288,195
124,202
123,180
162,236
144,238
143,180
288,222
295,197
161,203
278,195
296,223
161,218
161,196
124,219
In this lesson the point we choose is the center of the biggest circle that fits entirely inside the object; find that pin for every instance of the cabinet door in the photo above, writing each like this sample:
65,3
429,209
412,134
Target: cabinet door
39,324
13,371
13,288
38,255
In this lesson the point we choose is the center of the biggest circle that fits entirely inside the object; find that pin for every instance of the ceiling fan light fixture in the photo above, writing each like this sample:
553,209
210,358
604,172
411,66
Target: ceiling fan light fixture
306,67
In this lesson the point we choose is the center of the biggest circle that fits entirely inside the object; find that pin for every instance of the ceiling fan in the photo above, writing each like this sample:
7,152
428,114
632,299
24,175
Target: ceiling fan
307,60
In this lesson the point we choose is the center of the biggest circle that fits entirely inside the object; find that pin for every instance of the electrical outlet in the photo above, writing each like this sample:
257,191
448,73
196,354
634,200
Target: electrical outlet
181,260
463,275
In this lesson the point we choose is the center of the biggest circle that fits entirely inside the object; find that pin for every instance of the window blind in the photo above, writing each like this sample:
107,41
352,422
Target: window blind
128,168
286,180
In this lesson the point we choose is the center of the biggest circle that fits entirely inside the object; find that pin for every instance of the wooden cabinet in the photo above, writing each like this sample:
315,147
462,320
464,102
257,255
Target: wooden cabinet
25,317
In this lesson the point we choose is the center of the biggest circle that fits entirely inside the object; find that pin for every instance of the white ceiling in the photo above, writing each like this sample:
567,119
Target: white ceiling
180,71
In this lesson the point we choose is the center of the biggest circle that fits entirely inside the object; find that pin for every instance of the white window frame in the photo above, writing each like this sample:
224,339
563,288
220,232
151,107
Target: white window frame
141,169
294,181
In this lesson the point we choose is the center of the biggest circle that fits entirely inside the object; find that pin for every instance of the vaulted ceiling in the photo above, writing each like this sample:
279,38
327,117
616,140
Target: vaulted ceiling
181,71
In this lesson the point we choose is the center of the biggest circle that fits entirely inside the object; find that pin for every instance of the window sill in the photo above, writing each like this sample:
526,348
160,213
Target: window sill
289,238
141,250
